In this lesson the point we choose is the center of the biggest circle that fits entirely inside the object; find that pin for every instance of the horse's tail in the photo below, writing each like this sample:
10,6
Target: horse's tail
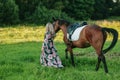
114,40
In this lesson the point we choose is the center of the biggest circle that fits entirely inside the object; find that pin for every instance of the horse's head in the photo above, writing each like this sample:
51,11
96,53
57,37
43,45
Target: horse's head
58,23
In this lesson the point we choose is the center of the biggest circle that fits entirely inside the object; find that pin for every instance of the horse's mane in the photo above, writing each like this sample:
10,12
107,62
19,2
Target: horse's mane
63,22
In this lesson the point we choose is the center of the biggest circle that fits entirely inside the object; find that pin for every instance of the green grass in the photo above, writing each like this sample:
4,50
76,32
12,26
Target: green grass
20,61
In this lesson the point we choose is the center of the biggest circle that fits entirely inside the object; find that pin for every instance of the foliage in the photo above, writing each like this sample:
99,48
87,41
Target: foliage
42,11
26,8
78,9
8,12
116,8
43,15
102,9
115,18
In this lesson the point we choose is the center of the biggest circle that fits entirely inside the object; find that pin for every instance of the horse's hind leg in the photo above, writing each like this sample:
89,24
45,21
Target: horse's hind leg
98,64
104,62
102,58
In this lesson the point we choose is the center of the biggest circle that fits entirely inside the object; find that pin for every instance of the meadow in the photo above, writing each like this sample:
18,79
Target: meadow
20,49
24,33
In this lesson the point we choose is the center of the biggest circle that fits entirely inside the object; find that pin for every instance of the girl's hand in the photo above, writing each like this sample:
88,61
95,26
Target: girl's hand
42,49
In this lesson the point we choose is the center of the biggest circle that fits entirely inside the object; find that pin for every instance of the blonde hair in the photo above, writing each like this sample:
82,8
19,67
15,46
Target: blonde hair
50,28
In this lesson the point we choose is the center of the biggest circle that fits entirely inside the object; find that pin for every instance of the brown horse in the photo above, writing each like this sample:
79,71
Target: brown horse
91,35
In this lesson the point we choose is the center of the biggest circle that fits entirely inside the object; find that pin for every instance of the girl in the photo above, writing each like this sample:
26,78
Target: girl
49,56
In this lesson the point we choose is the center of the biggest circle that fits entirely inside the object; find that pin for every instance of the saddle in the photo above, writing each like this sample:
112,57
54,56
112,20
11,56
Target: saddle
73,27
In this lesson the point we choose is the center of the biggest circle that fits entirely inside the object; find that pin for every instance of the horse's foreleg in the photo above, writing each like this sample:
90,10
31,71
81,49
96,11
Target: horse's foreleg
72,59
72,56
104,62
66,53
98,64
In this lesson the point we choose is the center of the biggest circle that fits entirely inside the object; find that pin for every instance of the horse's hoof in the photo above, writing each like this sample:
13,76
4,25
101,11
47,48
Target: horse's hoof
73,65
66,57
106,71
96,69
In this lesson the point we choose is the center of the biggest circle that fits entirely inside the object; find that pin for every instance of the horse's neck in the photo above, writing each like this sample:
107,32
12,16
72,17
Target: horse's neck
64,30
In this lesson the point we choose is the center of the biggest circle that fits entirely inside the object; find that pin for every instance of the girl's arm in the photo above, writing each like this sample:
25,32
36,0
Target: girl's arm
42,48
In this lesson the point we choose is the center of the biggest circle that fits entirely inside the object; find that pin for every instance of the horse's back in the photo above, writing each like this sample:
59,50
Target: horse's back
93,31
90,34
94,35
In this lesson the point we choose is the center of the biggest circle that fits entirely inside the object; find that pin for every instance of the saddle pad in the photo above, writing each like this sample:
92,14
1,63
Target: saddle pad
76,34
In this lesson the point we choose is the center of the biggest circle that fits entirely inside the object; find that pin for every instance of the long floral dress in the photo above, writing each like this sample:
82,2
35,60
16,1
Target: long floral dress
49,56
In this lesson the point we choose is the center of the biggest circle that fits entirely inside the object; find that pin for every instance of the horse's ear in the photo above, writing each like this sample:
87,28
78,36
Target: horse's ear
54,19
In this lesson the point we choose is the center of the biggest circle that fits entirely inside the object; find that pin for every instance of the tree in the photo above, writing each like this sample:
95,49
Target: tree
41,15
26,8
102,9
44,14
79,9
8,12
116,9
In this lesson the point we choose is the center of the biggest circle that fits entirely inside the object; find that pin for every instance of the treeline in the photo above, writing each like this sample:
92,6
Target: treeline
42,11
